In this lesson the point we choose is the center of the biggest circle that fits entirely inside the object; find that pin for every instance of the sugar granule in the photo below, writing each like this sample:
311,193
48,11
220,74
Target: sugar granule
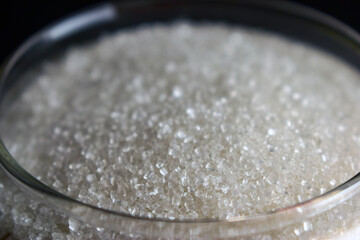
189,121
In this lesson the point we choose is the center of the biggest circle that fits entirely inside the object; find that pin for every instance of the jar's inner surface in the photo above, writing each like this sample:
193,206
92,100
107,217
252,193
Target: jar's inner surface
189,121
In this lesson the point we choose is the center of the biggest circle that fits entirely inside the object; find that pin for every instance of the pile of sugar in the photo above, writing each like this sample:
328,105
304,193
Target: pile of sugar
22,217
189,121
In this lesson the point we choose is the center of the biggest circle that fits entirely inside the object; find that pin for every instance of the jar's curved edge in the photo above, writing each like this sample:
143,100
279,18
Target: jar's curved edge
113,219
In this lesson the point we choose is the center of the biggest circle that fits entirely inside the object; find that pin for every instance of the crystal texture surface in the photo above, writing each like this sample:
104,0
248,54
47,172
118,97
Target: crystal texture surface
185,121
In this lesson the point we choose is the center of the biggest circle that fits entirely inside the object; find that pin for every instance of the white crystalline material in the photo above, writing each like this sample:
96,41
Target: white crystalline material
307,226
190,112
271,132
177,92
163,171
210,122
90,178
298,232
74,224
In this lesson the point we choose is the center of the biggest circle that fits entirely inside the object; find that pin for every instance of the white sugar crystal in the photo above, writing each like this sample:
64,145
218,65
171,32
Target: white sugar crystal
307,226
190,112
90,178
333,182
183,121
163,171
180,134
177,92
74,224
57,184
271,132
298,232
323,157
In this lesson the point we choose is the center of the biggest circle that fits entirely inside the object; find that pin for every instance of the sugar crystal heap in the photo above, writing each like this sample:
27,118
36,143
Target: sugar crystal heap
189,121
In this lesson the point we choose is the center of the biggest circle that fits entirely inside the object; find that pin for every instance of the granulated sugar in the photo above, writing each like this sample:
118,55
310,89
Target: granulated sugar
189,121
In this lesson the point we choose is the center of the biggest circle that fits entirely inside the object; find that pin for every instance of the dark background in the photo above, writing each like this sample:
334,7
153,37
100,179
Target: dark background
21,18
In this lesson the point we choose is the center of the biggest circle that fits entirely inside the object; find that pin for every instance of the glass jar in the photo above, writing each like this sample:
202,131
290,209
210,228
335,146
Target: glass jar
335,214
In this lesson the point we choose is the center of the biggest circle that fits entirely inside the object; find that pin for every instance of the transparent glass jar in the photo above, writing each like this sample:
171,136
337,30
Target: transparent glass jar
335,214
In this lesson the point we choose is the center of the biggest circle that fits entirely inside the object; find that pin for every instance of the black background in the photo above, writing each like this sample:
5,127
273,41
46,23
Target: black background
20,18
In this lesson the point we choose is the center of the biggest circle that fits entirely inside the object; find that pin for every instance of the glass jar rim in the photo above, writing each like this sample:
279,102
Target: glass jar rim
106,13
